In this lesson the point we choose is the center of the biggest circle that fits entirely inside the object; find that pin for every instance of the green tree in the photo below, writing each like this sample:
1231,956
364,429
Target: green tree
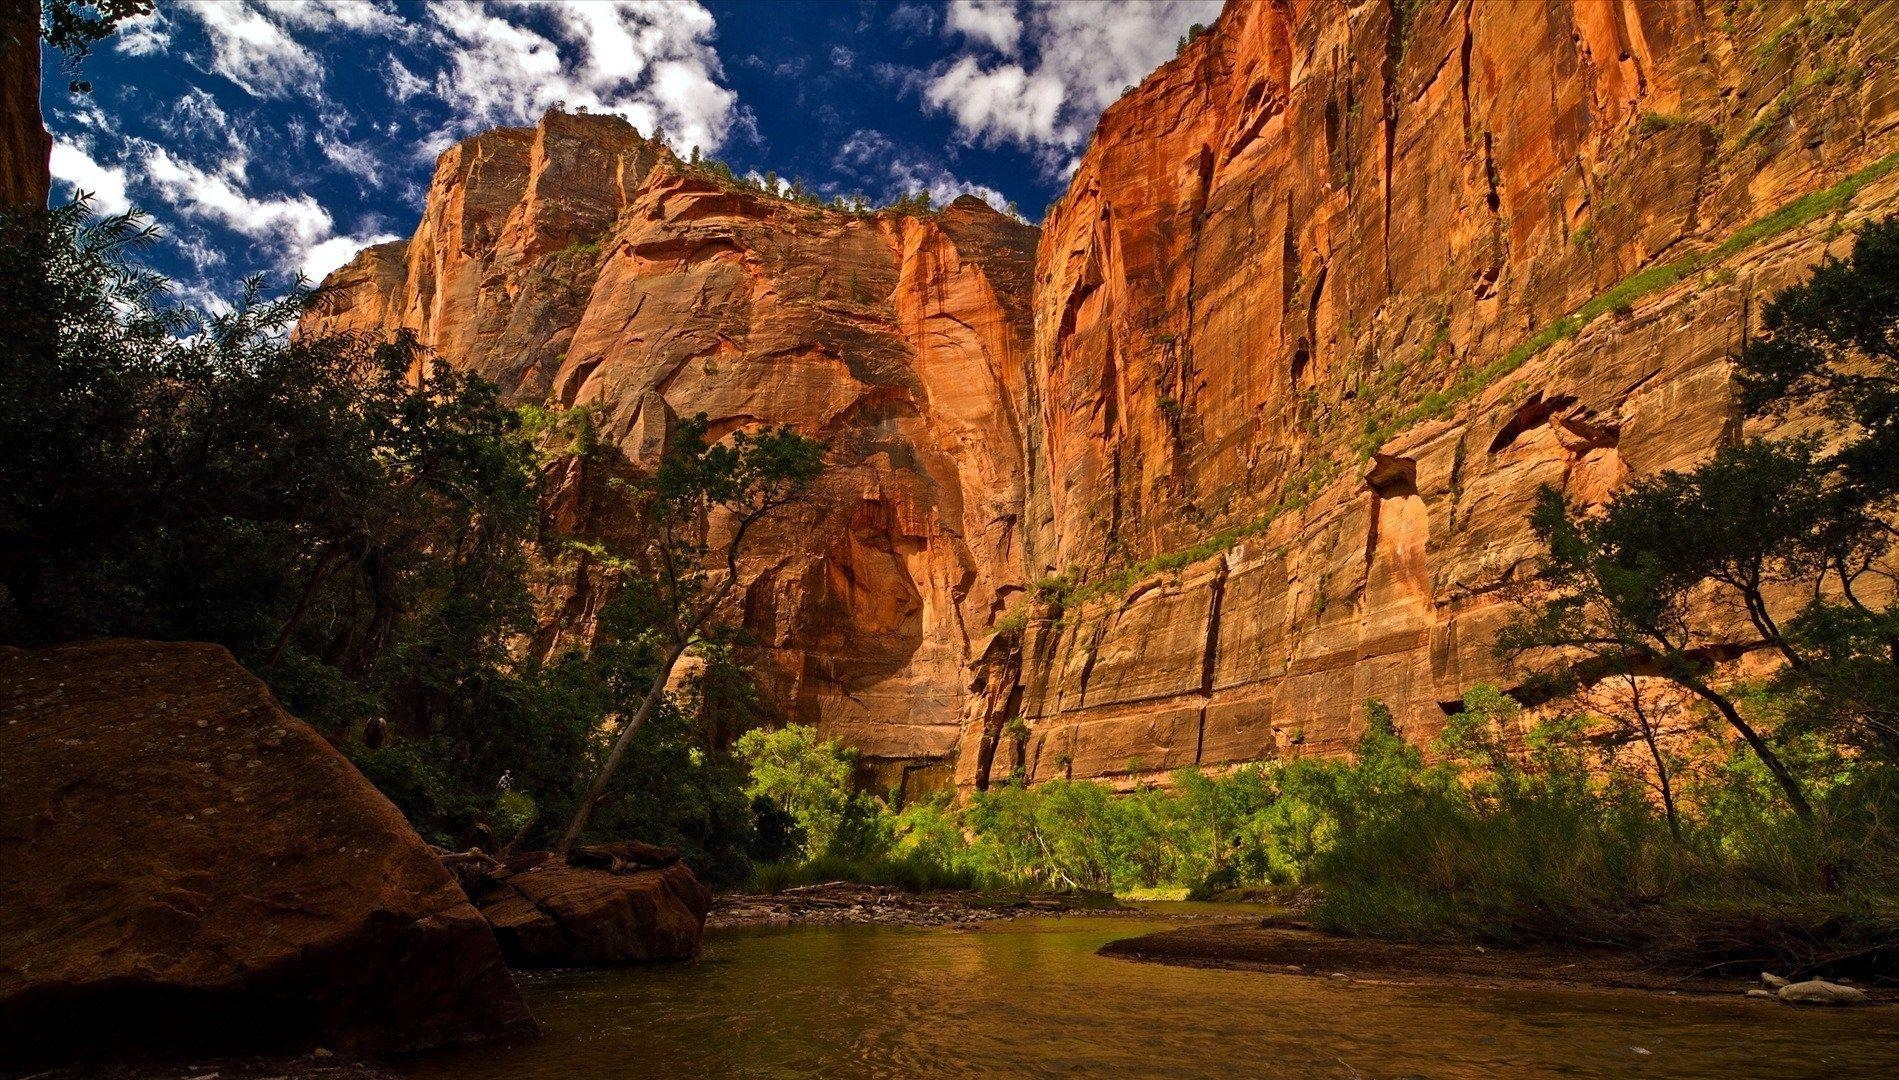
1763,523
350,521
1830,351
700,508
803,776
1616,595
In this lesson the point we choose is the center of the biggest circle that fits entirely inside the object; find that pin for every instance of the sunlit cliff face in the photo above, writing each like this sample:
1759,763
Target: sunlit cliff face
582,266
1331,295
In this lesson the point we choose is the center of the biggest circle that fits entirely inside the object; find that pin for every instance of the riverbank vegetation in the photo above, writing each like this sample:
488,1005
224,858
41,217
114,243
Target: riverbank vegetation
1649,801
361,529
1507,832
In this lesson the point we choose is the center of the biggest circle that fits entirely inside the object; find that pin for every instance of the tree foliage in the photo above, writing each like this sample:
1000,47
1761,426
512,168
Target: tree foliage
700,508
73,27
1789,536
350,522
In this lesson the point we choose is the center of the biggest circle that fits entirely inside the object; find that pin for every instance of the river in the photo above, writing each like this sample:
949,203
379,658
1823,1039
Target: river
1031,998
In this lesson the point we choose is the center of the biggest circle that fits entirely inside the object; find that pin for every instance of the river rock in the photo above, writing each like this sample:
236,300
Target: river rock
1821,992
184,865
556,915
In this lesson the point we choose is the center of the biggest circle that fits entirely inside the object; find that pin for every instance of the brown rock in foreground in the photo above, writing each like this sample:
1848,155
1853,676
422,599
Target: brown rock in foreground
555,915
183,865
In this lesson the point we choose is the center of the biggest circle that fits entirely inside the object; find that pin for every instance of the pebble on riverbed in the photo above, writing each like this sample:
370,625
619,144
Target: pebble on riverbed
839,903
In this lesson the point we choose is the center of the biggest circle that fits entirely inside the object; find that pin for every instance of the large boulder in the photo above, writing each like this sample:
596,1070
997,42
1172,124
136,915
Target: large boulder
183,865
615,904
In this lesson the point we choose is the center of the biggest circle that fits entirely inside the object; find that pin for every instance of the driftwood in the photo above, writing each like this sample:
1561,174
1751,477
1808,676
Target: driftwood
623,855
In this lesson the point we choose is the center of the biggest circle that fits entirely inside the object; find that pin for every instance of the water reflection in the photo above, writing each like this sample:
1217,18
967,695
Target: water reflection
1030,998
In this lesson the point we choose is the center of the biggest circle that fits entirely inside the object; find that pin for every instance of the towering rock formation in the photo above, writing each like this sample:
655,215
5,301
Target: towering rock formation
1330,296
579,264
25,146
1336,290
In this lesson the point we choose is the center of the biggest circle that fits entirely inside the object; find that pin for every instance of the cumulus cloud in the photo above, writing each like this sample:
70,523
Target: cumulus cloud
295,228
74,166
991,22
500,61
652,63
297,222
891,173
454,66
322,258
1006,103
1037,76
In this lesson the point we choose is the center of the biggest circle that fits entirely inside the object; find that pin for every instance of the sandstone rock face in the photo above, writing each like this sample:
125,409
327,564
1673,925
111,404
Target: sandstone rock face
1329,297
580,265
1285,239
25,146
555,915
183,865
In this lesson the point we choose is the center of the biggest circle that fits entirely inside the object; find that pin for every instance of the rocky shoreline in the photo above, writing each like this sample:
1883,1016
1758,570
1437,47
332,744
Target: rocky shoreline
839,903
1292,948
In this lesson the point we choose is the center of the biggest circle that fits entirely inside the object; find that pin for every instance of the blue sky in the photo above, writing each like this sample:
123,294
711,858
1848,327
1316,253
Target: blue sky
277,137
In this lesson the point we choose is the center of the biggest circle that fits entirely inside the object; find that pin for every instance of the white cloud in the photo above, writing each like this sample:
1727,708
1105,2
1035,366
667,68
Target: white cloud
1057,70
873,159
295,223
147,35
74,165
1003,103
365,16
912,18
325,257
295,228
993,22
352,157
403,83
251,47
652,63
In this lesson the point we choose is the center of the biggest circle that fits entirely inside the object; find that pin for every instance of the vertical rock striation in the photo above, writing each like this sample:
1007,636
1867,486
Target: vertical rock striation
1337,289
25,146
1329,297
580,265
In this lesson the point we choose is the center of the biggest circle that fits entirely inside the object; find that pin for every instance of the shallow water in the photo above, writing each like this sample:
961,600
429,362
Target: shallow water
1031,998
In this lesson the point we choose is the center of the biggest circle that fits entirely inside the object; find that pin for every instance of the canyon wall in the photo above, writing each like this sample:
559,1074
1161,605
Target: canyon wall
25,146
580,265
1335,291
1250,435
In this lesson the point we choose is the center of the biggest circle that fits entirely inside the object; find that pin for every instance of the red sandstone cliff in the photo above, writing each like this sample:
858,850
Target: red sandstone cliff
25,146
1329,297
579,264
1326,230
